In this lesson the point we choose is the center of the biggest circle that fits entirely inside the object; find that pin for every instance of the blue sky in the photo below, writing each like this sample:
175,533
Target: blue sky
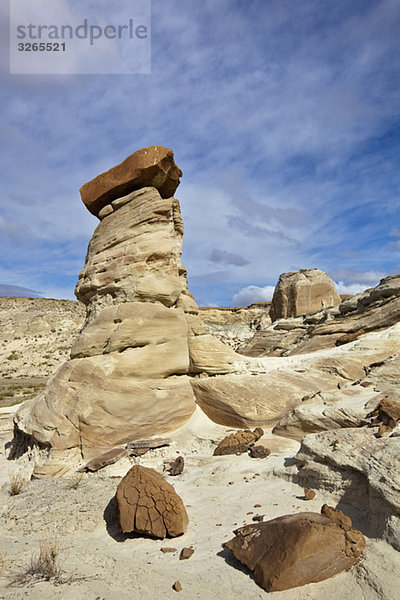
283,115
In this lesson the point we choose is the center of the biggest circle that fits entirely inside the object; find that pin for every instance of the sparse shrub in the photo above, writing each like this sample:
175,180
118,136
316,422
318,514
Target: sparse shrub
44,564
2,562
17,483
76,481
12,356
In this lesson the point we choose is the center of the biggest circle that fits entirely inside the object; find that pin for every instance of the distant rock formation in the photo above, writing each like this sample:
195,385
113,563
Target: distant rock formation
235,326
301,292
36,335
375,309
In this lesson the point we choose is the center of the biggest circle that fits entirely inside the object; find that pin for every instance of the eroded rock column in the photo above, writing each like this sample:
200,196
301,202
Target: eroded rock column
128,373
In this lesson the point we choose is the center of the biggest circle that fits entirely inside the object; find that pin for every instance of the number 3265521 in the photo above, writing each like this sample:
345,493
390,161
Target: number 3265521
41,47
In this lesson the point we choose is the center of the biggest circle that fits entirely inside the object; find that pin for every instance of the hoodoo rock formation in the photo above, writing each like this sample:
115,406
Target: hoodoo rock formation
128,374
127,377
301,292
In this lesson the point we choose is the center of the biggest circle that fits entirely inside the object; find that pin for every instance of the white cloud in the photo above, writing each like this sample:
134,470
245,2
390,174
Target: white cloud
351,288
253,293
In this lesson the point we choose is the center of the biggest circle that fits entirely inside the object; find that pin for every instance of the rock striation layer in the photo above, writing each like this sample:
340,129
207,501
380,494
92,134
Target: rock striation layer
301,292
361,471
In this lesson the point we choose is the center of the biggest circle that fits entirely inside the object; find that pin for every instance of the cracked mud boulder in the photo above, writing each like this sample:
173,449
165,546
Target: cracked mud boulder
149,505
238,442
294,550
153,166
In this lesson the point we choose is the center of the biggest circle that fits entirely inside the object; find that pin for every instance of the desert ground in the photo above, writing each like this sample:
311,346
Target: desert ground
220,493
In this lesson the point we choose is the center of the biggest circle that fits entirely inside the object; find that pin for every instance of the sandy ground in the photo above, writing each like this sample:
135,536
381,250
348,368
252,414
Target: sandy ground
99,563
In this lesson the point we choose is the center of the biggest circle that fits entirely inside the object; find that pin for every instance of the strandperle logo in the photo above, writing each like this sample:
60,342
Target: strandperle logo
85,31
73,37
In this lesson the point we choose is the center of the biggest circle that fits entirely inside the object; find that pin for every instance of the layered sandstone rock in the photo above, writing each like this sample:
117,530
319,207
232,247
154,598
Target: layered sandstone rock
361,471
261,398
149,505
150,167
301,292
128,374
294,550
135,255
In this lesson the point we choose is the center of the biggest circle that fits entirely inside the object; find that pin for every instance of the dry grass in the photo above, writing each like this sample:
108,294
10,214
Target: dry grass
44,564
76,481
17,483
2,562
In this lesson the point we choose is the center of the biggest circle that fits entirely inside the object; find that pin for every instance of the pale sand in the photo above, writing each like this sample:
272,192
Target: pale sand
98,563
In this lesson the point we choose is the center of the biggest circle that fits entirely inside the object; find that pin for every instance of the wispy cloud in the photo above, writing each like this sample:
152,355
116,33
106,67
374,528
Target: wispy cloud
228,258
283,115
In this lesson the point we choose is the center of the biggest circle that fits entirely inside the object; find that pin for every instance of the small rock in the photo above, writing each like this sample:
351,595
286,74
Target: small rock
177,586
258,518
177,466
308,494
186,553
138,451
103,460
385,414
347,338
257,506
150,443
166,550
259,451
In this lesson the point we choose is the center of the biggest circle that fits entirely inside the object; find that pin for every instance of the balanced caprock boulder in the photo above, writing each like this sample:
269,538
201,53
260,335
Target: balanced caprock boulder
153,166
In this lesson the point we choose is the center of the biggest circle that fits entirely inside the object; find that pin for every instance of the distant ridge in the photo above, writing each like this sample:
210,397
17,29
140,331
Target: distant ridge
18,291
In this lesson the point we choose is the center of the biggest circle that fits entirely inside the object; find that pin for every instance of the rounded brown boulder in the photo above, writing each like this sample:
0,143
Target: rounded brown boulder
153,166
294,550
149,505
